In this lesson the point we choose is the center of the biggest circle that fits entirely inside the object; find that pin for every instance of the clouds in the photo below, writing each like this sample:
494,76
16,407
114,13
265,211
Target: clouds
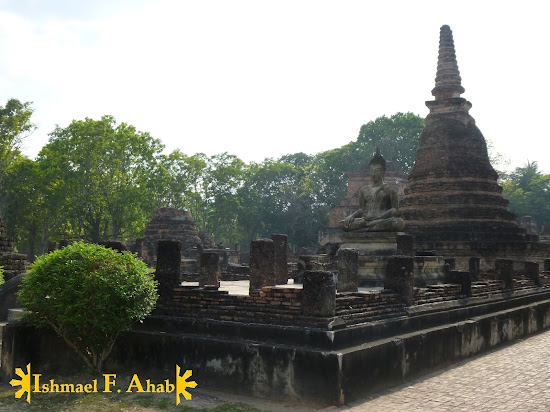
261,79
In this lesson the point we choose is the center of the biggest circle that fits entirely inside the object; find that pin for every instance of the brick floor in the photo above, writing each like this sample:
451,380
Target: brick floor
513,378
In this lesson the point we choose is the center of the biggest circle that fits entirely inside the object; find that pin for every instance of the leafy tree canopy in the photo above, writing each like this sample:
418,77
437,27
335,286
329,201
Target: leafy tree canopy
528,191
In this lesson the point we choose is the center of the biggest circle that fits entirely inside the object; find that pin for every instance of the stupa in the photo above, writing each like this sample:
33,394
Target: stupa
453,204
168,224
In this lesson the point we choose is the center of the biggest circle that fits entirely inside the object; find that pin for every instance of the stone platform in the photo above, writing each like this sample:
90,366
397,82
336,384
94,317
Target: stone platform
374,249
428,270
371,243
332,367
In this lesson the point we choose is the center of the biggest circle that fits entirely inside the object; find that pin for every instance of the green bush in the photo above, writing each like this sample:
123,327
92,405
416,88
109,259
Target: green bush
88,294
1,274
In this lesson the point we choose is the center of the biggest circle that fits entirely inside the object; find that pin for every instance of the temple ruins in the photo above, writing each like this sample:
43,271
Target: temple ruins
168,224
453,204
328,340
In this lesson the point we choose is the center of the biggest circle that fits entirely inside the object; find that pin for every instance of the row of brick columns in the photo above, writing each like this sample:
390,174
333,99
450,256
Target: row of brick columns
268,267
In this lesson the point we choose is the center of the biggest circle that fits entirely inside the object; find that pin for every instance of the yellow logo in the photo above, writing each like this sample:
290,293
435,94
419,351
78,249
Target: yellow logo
181,384
25,383
110,383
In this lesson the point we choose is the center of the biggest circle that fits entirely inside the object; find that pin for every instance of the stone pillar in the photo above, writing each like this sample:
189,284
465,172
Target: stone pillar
400,277
209,269
304,263
262,264
168,268
532,272
473,267
198,254
319,294
280,243
547,265
451,262
405,245
464,279
348,278
225,259
466,283
504,269
447,272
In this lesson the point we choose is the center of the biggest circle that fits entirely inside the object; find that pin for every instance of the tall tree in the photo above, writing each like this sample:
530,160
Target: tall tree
528,191
15,126
397,136
109,171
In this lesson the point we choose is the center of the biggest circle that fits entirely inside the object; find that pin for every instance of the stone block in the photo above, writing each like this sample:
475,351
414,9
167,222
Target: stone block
319,293
504,269
280,243
400,277
348,276
209,273
262,264
473,267
168,268
462,278
451,262
532,272
405,245
371,243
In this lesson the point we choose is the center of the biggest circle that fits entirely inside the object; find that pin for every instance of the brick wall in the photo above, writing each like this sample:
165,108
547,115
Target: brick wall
271,305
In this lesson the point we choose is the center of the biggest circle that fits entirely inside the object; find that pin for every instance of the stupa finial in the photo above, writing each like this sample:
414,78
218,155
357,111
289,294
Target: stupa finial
447,80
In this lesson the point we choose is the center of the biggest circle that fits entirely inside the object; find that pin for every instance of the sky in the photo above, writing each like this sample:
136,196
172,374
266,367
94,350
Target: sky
265,78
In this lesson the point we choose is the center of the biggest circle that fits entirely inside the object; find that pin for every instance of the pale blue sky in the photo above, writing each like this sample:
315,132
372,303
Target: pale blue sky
262,78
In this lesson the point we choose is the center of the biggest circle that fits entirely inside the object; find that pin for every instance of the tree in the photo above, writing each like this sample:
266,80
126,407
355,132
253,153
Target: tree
109,175
88,294
397,136
528,191
15,125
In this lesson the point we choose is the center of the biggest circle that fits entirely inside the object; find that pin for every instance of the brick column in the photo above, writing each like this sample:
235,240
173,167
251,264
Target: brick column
451,262
473,267
400,277
348,279
464,279
405,245
262,264
168,268
210,269
319,294
532,271
504,269
280,243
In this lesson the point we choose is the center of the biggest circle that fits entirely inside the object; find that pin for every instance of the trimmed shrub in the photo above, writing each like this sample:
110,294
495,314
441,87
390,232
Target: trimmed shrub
88,294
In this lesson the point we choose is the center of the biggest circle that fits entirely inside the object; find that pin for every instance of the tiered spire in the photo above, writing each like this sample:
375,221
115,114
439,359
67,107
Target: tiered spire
447,81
